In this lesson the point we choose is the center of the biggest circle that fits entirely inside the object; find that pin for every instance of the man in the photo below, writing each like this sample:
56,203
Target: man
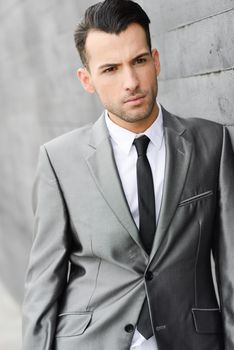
128,211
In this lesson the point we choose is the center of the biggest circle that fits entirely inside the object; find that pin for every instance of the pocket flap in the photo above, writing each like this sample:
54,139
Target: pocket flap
72,323
207,320
196,198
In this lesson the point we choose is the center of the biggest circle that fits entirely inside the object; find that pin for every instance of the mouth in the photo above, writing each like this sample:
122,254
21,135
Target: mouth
135,99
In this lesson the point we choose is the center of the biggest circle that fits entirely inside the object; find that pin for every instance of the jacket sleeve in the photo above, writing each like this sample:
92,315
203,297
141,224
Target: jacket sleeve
48,262
224,240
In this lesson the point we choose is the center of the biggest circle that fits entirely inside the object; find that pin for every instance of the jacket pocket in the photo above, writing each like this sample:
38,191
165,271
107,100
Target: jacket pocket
71,324
207,320
195,198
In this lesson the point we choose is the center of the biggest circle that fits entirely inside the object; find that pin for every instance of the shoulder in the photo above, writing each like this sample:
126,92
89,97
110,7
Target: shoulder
197,128
76,135
205,136
201,124
76,139
204,130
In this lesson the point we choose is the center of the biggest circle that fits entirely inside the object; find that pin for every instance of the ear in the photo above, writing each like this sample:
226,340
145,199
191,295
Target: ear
86,80
155,55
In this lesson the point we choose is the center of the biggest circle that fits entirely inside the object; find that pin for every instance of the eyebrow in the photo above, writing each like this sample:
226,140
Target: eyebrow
106,65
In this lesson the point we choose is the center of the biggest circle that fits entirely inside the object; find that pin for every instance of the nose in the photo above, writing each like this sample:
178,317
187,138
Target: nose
131,81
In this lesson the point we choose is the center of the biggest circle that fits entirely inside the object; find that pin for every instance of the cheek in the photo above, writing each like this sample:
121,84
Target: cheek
151,79
148,76
108,89
107,95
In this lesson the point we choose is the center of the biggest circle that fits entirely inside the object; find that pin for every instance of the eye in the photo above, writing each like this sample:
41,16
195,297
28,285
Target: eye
140,60
110,69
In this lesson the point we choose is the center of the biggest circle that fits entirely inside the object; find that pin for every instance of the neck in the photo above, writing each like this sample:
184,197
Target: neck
139,126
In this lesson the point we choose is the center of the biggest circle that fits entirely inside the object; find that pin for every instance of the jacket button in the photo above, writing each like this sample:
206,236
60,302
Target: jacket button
129,328
149,276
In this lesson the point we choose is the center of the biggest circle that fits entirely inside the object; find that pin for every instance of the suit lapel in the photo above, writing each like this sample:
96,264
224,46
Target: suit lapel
178,154
103,168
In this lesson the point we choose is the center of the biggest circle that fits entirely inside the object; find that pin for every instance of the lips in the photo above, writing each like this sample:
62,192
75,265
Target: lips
135,99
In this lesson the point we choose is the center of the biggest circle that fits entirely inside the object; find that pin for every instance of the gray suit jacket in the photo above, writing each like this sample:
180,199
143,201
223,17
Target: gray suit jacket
88,273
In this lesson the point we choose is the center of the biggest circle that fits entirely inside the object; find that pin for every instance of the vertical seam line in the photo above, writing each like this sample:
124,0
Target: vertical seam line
95,285
197,254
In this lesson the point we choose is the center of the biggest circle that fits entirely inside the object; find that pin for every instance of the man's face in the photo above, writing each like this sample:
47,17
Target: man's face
123,72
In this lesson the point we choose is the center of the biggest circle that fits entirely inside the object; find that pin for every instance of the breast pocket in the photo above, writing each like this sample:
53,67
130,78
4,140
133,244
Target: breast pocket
72,324
196,198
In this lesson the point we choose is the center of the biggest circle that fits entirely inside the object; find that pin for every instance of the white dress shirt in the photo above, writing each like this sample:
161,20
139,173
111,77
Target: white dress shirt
126,157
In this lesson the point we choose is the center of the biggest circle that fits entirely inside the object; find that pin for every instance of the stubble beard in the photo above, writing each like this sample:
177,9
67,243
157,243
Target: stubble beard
135,115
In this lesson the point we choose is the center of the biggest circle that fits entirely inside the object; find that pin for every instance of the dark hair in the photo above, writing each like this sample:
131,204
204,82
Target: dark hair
110,16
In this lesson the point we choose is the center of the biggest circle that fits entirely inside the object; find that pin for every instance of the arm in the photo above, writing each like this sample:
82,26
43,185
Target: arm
48,264
224,240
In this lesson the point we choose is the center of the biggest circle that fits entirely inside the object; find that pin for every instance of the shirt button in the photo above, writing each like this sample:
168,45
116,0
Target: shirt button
149,276
129,328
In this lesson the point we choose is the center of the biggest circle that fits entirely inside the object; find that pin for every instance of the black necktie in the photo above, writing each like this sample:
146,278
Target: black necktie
147,224
146,200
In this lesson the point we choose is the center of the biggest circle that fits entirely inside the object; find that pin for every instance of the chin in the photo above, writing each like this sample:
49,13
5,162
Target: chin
135,119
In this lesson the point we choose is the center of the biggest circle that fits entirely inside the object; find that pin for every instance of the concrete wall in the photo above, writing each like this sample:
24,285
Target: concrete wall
41,97
197,51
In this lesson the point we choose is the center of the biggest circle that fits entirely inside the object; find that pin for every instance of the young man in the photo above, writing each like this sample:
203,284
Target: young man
128,211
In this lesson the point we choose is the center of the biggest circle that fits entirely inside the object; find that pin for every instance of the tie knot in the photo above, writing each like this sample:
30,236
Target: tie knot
141,144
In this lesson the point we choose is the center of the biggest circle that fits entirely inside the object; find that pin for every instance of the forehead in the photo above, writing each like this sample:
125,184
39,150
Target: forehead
102,47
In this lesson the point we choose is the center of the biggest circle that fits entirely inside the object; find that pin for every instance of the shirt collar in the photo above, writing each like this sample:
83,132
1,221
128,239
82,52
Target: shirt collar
124,138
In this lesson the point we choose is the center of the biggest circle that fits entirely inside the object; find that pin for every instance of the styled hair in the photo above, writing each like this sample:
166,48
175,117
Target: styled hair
110,16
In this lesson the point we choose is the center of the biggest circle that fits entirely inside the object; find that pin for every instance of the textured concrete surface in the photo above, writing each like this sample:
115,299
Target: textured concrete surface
41,97
186,12
10,322
201,92
215,43
197,54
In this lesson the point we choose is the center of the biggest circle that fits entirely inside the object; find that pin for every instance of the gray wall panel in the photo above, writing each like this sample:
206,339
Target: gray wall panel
209,96
205,46
178,13
41,98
